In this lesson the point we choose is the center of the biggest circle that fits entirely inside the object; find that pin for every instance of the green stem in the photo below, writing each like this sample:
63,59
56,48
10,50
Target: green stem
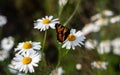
43,46
60,11
5,68
44,40
69,19
59,57
66,53
98,72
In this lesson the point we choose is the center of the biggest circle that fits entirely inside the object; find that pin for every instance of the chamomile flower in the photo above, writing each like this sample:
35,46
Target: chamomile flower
44,23
3,55
7,43
28,46
116,43
62,3
99,65
116,51
12,70
115,19
88,28
116,46
96,28
74,39
58,71
27,61
90,44
96,16
107,13
104,47
3,20
11,67
78,66
101,22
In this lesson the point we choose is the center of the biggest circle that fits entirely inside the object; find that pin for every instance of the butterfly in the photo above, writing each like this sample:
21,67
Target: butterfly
62,32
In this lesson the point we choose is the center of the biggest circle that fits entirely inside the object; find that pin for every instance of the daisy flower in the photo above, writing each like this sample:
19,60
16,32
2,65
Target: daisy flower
116,46
101,22
91,27
11,67
74,39
3,20
58,71
116,43
90,44
88,28
44,23
116,51
99,65
78,66
115,19
107,13
104,47
13,71
28,46
96,28
96,16
26,62
3,55
7,43
62,3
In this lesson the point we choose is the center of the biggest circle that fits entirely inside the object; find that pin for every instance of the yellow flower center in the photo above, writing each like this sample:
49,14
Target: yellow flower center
71,37
101,21
26,60
27,45
46,21
8,42
99,63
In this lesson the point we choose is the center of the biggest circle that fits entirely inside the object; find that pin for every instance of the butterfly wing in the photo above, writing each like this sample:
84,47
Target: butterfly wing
62,32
